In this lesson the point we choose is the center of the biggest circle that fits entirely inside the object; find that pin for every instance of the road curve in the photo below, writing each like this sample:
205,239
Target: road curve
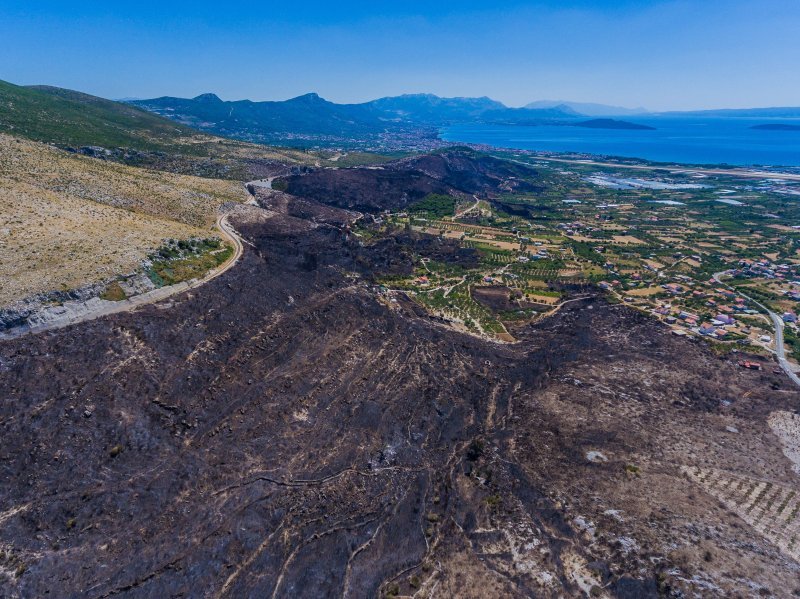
156,295
777,321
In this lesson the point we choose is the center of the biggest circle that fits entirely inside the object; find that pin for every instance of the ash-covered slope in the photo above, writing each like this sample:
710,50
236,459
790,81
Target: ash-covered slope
393,186
284,431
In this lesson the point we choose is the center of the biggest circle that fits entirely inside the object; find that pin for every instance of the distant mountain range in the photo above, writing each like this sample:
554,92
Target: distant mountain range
790,112
71,118
587,108
312,116
119,132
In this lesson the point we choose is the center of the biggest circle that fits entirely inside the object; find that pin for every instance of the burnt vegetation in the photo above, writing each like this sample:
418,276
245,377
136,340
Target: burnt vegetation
285,431
457,172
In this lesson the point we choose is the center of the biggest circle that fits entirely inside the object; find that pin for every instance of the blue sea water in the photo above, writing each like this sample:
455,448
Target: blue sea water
682,140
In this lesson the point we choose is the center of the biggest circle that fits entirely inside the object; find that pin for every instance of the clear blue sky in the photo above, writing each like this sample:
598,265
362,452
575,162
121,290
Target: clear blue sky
679,54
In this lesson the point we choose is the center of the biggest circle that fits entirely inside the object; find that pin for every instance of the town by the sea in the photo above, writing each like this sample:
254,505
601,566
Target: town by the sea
702,141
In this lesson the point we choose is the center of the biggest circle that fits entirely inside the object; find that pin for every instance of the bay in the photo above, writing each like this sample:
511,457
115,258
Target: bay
706,141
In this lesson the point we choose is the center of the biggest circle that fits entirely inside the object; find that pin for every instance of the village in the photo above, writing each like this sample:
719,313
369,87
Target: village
709,257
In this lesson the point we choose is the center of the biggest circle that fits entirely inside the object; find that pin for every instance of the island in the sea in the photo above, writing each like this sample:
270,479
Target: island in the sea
776,127
611,124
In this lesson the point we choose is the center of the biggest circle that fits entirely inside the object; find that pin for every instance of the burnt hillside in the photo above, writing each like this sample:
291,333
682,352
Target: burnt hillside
397,184
283,431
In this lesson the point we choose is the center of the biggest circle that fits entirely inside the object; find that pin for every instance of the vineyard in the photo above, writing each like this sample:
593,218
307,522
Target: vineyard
770,508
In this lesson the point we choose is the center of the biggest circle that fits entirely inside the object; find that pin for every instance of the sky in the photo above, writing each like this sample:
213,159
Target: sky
662,55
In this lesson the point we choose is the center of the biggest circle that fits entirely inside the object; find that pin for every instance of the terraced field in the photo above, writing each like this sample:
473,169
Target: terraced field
770,508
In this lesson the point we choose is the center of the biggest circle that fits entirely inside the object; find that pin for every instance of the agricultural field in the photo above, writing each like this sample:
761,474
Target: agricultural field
654,242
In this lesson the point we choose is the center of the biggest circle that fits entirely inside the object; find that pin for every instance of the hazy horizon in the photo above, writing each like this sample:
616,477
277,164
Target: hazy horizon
660,55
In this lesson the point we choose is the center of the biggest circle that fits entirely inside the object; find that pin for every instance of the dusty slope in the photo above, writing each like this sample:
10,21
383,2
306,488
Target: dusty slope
283,432
67,220
189,200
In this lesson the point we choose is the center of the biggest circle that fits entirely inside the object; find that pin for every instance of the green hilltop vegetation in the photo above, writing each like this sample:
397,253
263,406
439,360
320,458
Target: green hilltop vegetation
72,119
435,205
69,118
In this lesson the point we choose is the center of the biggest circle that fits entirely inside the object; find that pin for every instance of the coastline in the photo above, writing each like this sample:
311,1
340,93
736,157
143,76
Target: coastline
699,143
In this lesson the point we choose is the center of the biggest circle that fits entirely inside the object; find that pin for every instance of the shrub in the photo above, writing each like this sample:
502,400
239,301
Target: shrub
632,469
113,293
475,450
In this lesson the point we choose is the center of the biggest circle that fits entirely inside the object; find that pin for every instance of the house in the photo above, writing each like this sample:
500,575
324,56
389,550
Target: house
673,288
750,365
724,319
707,329
790,317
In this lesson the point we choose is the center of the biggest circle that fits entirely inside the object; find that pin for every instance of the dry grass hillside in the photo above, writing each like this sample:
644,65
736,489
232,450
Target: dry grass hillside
186,199
66,220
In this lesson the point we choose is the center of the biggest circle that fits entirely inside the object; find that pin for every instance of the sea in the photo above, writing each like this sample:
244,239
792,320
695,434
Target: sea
698,141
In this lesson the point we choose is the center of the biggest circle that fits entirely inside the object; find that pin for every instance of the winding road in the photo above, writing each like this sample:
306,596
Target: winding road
777,321
104,308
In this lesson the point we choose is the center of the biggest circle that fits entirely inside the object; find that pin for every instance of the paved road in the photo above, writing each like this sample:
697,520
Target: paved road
100,308
777,321
747,173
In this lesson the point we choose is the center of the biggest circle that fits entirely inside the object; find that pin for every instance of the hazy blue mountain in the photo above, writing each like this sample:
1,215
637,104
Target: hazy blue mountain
587,108
777,112
312,117
304,115
530,116
428,108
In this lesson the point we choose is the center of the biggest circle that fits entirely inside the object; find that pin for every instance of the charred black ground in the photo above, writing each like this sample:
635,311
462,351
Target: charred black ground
461,172
284,431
